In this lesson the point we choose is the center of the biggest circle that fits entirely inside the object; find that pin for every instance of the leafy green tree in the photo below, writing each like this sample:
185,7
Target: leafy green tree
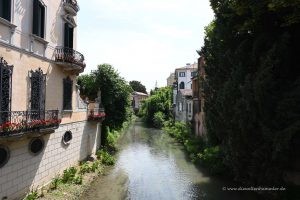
88,87
252,90
159,101
115,93
138,86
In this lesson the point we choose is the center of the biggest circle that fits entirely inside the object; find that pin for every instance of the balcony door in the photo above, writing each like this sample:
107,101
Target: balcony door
5,90
38,94
69,36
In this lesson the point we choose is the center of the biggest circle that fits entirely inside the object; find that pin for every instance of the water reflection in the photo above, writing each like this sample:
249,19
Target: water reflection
152,166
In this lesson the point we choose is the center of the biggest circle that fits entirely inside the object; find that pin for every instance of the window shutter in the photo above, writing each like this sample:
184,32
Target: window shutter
35,23
42,25
71,32
8,10
68,90
66,35
5,9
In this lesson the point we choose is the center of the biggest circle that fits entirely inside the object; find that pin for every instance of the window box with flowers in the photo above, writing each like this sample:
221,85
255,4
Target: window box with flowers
16,123
96,115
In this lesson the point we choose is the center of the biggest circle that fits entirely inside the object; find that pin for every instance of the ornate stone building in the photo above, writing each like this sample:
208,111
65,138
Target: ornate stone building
44,126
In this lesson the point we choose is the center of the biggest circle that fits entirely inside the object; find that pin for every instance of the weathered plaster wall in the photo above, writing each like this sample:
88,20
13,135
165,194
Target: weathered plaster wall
25,171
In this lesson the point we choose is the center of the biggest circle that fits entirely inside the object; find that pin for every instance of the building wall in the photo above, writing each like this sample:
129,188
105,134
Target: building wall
182,111
25,52
171,79
21,35
25,171
198,99
23,63
188,77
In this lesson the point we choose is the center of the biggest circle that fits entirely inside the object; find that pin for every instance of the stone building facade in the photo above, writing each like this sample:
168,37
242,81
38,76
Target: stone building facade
44,126
198,120
184,106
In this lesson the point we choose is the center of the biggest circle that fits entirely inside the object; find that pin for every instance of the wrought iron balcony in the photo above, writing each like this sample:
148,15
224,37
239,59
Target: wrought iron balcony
71,6
70,59
96,114
17,123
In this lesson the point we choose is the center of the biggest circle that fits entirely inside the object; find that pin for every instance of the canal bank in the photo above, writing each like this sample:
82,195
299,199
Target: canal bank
151,165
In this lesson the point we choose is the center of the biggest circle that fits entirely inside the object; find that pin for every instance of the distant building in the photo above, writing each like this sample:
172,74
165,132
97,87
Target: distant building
184,105
171,79
198,99
137,99
183,76
183,80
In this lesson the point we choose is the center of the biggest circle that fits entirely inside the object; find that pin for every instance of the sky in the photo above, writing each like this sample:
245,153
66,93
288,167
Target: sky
144,40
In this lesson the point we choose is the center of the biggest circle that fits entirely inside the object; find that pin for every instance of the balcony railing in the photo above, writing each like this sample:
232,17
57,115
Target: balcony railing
71,4
69,55
15,123
96,114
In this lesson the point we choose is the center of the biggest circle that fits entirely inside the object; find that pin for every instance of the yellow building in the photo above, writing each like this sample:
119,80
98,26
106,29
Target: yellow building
43,121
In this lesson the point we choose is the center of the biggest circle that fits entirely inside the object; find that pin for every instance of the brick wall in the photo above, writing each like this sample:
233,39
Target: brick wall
25,171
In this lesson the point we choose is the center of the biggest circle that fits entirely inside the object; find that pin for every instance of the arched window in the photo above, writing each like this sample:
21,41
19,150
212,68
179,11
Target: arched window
181,85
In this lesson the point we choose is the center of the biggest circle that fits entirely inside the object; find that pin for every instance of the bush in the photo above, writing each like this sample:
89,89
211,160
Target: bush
77,179
180,130
105,157
69,175
85,168
96,166
32,195
55,182
158,119
111,140
211,158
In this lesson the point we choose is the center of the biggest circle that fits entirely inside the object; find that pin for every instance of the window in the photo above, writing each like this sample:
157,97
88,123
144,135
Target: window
36,146
67,137
181,85
5,90
5,9
38,90
193,74
181,74
69,31
190,108
38,19
4,155
68,90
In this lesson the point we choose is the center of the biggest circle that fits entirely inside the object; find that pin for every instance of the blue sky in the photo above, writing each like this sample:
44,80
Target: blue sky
143,40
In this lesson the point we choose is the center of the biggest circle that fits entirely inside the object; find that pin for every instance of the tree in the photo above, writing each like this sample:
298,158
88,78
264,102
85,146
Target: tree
88,87
159,101
115,93
252,93
138,86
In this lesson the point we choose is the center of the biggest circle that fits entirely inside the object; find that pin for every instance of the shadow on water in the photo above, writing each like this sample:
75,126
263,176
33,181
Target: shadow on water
151,165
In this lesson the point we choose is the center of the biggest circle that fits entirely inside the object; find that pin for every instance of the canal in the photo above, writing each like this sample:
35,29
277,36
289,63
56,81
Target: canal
151,166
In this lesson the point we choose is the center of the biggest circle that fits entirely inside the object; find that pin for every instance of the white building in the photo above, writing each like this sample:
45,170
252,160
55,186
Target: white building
183,78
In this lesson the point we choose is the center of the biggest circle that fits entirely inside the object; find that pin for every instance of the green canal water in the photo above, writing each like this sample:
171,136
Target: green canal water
152,166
